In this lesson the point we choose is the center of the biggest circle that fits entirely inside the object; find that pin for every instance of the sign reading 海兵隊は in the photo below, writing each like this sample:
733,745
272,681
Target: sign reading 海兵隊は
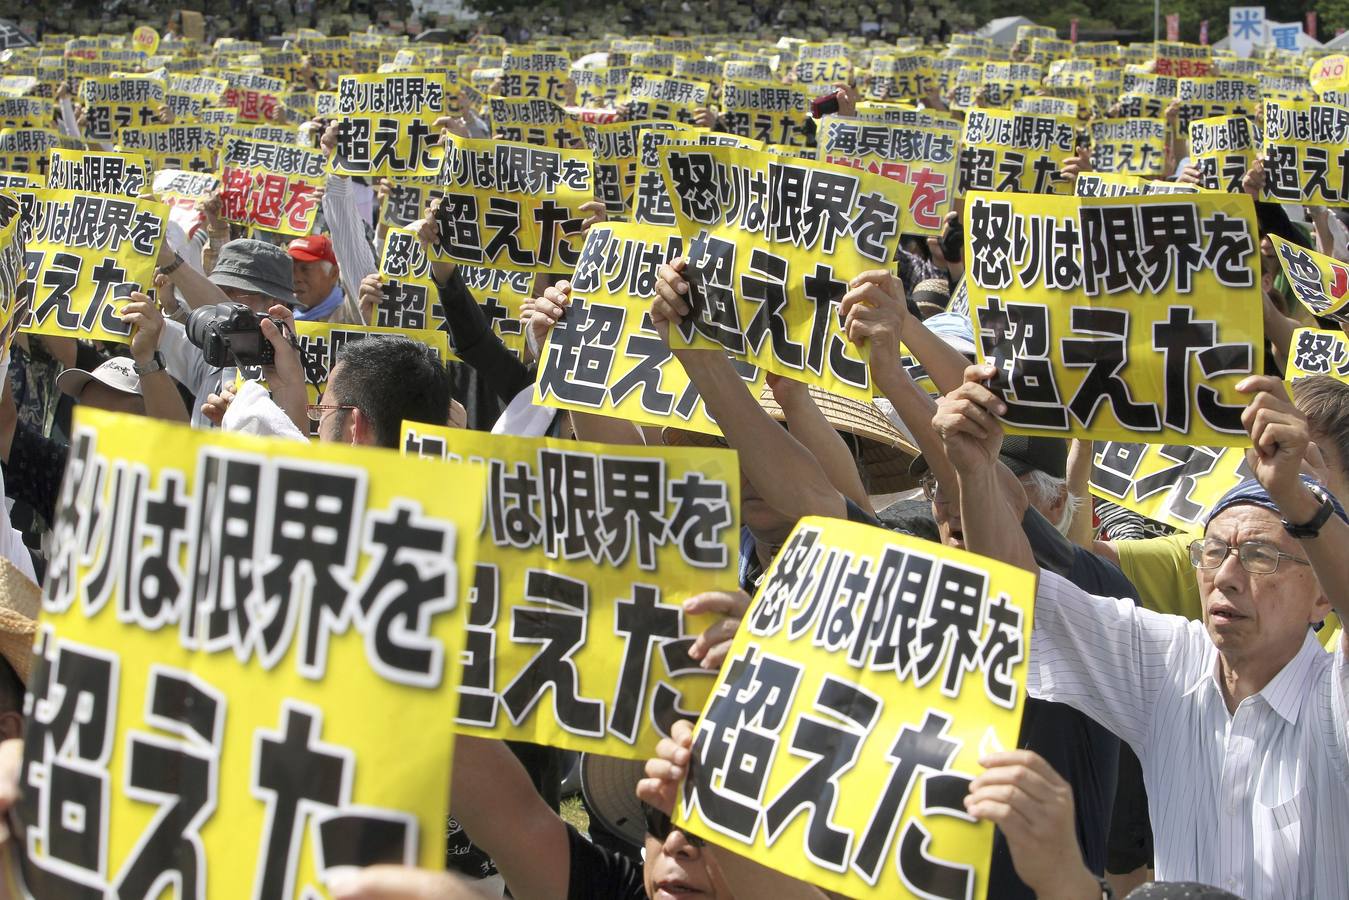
576,634
870,674
271,186
245,657
1118,318
772,243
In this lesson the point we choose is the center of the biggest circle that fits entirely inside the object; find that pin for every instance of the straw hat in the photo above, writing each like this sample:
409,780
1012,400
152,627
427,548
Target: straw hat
609,786
20,600
883,453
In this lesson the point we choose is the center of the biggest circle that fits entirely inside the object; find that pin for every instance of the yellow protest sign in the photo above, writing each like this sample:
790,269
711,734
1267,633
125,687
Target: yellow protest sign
650,203
616,147
604,355
1204,98
270,186
1319,282
1174,485
1128,146
666,97
1222,148
1003,151
26,112
871,670
775,263
322,342
1004,82
1118,318
923,158
98,171
513,206
385,123
410,296
604,86
1183,60
205,86
1304,153
1045,106
331,57
772,113
85,254
1330,73
219,713
407,199
823,64
1314,351
145,39
255,96
190,147
540,122
900,76
114,104
1108,184
576,636
534,75
502,296
20,180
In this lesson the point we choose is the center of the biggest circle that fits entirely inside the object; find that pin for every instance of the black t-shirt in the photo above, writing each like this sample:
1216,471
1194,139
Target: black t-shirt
596,872
1084,753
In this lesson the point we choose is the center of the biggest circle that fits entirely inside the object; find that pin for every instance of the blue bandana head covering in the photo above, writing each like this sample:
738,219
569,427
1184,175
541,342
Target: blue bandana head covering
1251,492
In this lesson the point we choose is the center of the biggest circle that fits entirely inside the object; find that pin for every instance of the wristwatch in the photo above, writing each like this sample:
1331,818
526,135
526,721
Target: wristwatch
156,364
1313,528
173,266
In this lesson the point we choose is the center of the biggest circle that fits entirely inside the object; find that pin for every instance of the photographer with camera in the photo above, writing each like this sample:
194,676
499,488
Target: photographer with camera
235,321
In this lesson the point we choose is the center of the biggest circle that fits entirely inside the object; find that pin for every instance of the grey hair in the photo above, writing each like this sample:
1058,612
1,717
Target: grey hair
1044,490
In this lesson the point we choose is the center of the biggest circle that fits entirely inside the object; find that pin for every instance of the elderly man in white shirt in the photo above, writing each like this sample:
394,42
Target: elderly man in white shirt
1241,721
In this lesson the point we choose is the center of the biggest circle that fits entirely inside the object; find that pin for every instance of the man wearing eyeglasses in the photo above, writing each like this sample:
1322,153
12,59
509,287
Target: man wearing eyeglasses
1241,721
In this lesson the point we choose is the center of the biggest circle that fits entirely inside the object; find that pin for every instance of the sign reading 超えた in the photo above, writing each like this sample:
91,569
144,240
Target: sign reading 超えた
868,677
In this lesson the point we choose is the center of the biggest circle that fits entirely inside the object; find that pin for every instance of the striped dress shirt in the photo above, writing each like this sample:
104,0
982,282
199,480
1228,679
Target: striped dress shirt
1256,801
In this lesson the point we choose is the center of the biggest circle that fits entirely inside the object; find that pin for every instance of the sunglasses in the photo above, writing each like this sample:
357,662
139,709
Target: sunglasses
659,826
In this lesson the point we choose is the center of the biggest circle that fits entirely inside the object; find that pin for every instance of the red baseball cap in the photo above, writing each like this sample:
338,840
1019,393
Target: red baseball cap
312,248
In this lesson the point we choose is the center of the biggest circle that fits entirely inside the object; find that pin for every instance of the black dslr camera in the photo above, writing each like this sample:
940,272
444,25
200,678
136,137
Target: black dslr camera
231,334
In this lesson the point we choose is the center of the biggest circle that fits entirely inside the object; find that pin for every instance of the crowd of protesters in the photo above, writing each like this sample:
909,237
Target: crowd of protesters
1187,725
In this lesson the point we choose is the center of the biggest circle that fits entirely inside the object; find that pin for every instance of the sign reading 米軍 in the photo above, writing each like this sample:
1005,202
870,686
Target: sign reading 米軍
384,124
113,104
98,171
1319,282
871,673
512,206
1118,318
1174,485
1313,351
1306,153
1222,149
271,186
772,243
576,636
1002,151
772,113
1128,146
923,158
190,147
604,356
85,254
224,623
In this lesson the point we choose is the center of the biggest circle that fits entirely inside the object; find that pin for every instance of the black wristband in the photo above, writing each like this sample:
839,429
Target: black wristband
1312,528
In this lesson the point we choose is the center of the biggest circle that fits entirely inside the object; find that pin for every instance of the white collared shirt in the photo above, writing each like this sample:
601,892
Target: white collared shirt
1256,802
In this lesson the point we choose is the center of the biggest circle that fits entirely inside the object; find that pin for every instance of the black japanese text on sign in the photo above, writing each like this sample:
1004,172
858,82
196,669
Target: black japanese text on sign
870,674
576,636
772,243
385,124
1128,318
225,619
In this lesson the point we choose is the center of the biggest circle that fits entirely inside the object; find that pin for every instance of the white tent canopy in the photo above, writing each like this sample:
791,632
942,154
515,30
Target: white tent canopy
1003,31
